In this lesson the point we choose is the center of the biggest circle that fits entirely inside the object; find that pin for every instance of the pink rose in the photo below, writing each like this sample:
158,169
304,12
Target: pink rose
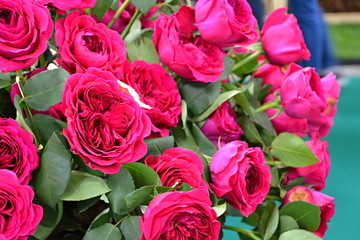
84,43
157,89
25,27
180,215
190,57
326,203
226,22
316,174
222,125
178,166
106,127
18,152
240,176
19,217
282,39
70,4
302,95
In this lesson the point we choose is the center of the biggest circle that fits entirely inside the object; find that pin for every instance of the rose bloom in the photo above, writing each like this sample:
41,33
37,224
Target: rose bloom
178,166
190,57
240,176
226,22
326,203
222,126
18,152
316,174
158,90
106,126
84,43
19,217
180,215
282,39
70,4
25,27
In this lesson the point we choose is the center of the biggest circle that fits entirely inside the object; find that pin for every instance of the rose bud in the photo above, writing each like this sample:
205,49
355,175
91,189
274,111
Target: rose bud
240,176
282,39
226,22
326,203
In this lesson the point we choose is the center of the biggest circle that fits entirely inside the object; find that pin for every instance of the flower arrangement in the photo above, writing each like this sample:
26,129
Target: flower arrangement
131,119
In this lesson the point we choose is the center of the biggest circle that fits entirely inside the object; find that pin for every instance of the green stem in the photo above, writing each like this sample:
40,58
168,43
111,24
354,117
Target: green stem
42,61
118,13
126,31
277,198
243,231
267,106
247,60
188,2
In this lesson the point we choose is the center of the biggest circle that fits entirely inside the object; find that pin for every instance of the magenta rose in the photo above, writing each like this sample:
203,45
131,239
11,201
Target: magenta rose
84,43
180,215
226,22
240,176
189,56
158,90
19,217
326,203
178,166
25,27
18,152
316,174
282,39
70,4
106,126
222,127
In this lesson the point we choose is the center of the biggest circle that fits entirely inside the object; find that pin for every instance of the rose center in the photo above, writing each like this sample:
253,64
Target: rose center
6,16
93,43
252,180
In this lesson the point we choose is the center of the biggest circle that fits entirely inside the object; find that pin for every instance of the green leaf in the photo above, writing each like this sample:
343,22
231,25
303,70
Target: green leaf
83,186
5,79
298,234
144,195
134,32
205,145
115,5
269,220
307,215
199,96
157,146
130,227
101,7
45,89
101,219
42,232
19,116
287,223
142,174
184,138
143,6
220,209
228,66
54,173
142,49
105,232
292,151
250,130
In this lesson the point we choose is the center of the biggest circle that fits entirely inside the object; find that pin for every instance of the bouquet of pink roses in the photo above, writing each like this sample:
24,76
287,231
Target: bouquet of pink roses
134,119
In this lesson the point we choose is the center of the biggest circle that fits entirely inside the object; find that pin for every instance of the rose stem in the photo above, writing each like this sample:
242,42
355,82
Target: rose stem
267,106
248,233
118,13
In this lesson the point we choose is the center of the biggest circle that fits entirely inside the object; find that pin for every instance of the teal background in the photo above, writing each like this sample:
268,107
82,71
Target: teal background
343,182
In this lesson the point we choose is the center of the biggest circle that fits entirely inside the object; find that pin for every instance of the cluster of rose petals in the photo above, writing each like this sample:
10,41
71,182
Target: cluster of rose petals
84,43
19,217
226,22
240,176
70,4
190,57
25,27
326,203
176,166
316,174
222,127
18,153
158,90
106,126
282,39
180,216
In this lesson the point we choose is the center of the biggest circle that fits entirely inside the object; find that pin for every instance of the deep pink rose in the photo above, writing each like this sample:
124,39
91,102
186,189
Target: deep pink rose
302,95
282,39
178,166
326,203
84,43
18,152
19,217
70,4
226,22
158,90
222,126
106,127
316,174
25,27
189,56
180,215
240,176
